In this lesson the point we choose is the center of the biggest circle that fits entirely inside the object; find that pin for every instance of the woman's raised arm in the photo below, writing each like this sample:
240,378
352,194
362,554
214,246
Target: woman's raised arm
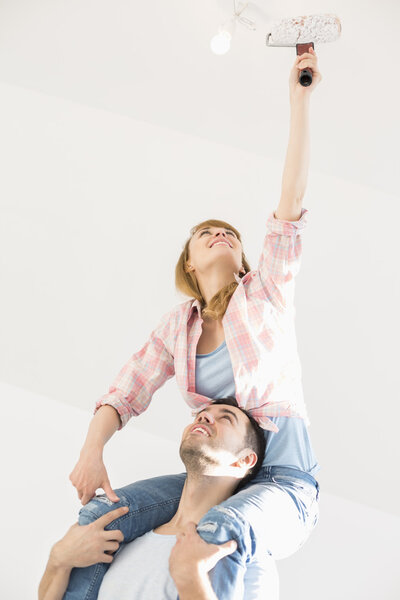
294,178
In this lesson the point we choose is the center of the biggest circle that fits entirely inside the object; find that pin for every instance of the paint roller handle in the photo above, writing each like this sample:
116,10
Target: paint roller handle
305,77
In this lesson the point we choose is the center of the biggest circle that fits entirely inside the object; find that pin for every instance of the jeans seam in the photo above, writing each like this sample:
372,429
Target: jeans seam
93,582
156,505
135,512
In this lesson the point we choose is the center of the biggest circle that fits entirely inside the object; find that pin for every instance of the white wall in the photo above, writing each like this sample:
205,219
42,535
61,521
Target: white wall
38,501
95,208
352,555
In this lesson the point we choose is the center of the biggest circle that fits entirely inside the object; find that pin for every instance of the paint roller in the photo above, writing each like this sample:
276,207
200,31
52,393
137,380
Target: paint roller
302,32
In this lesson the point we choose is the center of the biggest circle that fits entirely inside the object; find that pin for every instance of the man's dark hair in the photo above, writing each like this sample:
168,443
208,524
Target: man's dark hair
255,439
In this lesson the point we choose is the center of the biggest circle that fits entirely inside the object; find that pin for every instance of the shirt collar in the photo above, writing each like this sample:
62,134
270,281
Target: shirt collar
195,304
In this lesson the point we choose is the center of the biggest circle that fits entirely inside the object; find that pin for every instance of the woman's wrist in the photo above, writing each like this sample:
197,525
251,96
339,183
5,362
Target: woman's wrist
299,98
92,447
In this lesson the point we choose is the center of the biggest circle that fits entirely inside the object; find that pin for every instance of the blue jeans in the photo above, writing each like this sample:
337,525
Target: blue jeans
276,511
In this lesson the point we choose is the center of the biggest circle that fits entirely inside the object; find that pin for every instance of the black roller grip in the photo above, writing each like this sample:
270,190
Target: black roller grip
305,77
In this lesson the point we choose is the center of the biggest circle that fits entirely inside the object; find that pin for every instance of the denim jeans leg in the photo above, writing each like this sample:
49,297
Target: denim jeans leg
272,513
151,502
220,524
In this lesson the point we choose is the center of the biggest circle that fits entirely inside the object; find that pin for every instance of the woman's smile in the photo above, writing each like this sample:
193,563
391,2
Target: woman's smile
220,242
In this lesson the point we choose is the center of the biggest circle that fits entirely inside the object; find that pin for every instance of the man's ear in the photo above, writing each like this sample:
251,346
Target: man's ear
248,460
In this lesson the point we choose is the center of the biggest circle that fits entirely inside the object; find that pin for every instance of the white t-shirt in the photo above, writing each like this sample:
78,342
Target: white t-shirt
140,572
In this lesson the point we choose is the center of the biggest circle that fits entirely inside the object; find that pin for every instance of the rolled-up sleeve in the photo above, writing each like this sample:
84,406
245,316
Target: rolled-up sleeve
144,373
280,257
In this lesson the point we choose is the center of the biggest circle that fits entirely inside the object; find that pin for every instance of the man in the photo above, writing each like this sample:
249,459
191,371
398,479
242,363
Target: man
221,451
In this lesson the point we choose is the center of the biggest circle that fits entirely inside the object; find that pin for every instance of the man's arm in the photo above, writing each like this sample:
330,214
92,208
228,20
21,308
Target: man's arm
190,560
294,178
54,581
199,588
82,546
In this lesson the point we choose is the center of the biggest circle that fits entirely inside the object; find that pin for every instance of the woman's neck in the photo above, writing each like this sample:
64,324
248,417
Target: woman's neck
212,325
212,283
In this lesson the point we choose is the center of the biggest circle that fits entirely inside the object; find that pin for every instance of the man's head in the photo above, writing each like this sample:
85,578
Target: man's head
223,440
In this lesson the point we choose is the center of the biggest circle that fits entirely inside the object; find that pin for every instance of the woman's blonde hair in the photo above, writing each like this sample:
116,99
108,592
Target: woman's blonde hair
186,282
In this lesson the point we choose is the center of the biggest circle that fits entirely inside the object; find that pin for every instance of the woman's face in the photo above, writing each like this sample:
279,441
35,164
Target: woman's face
211,244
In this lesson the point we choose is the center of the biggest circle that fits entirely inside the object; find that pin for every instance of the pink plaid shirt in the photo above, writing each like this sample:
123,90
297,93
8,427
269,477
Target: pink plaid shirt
259,333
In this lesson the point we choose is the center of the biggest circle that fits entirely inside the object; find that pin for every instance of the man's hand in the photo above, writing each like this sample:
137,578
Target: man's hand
190,560
85,545
81,546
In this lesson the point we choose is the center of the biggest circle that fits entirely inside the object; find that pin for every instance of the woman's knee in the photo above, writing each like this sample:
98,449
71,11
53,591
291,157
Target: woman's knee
99,506
222,524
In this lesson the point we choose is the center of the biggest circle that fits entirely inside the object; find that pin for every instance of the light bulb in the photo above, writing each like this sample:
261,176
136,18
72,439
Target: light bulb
221,43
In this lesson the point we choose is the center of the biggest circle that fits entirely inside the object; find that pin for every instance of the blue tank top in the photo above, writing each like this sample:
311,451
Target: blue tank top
290,446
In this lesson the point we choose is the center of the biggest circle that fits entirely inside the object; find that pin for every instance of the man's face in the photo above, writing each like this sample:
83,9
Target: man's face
215,440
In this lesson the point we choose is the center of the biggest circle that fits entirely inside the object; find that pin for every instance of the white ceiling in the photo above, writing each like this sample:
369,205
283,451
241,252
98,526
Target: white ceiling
152,61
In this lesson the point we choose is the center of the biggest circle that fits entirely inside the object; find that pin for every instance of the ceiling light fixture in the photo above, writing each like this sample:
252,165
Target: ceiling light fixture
221,42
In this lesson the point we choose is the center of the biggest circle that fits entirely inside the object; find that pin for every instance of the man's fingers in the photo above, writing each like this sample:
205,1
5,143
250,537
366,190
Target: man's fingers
113,534
106,558
112,515
111,547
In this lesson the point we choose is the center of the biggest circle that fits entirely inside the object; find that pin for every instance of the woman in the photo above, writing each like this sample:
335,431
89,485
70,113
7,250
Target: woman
235,337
